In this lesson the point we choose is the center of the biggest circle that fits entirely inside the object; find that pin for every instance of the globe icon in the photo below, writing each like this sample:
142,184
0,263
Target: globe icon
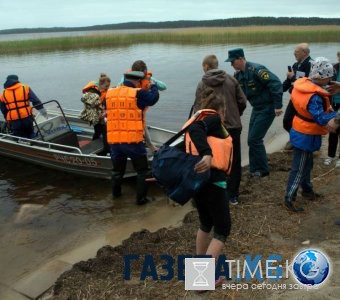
311,267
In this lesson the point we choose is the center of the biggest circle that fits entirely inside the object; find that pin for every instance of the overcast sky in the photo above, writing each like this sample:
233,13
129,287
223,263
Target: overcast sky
50,13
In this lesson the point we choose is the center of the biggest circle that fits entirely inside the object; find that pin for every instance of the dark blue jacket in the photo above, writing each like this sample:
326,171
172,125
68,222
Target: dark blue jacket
262,87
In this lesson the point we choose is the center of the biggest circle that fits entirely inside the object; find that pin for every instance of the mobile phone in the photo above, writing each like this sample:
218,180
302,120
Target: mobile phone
290,69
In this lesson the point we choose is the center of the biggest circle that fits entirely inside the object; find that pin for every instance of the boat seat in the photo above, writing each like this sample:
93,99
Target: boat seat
67,139
94,147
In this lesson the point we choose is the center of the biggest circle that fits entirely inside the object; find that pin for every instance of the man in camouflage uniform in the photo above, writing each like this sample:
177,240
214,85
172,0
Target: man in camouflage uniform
264,92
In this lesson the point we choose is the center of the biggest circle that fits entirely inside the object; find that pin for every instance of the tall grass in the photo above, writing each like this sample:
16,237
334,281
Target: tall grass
247,35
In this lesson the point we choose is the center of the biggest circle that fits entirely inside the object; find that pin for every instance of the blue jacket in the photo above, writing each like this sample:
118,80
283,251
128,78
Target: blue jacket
31,96
308,142
262,87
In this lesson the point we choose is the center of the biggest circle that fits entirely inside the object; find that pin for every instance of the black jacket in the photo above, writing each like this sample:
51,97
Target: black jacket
304,68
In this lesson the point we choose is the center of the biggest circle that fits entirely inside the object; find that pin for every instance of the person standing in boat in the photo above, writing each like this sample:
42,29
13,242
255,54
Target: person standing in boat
15,106
125,106
140,65
94,94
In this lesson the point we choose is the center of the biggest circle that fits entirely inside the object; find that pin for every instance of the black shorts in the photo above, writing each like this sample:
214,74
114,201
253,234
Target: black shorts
213,211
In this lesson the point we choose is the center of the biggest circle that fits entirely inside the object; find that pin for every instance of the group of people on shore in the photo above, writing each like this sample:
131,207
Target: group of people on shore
118,114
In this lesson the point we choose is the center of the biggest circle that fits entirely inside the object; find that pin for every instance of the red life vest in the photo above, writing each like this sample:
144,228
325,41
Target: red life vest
303,121
222,148
17,102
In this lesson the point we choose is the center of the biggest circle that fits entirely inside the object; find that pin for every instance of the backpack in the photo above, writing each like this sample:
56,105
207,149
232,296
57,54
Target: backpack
174,171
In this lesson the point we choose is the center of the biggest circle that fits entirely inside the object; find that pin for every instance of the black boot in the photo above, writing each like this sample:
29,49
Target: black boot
289,205
119,167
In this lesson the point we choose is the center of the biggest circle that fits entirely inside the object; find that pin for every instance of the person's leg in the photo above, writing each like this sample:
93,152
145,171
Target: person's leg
258,160
219,210
235,174
140,164
119,165
97,132
294,179
306,183
206,223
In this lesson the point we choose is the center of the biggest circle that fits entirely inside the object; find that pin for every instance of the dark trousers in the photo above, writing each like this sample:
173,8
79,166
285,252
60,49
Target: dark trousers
234,178
137,154
333,138
100,130
260,121
213,210
22,127
302,166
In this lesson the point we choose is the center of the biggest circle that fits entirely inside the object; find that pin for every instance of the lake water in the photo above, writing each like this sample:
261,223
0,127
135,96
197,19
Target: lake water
43,213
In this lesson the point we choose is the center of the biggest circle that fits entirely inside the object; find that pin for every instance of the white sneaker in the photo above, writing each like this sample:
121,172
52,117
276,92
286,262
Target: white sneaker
328,161
337,165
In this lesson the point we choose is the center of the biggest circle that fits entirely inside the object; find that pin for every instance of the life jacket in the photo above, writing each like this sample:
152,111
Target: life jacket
222,148
17,102
303,121
145,81
103,95
91,85
125,122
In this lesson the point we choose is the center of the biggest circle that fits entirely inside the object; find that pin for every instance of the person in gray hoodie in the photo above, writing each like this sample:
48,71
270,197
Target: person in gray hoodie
228,88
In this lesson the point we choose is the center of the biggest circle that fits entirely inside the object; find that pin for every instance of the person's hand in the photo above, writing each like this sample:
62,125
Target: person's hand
332,126
278,112
334,87
204,164
290,75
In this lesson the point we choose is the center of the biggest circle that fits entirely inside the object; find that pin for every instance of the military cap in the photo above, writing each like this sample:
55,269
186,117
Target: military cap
235,54
134,75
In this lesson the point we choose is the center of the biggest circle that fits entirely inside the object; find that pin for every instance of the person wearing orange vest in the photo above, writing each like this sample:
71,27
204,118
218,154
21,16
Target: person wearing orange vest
15,106
312,105
125,106
208,138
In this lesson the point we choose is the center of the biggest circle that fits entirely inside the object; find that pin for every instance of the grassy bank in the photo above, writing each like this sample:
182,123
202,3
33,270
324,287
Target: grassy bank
249,35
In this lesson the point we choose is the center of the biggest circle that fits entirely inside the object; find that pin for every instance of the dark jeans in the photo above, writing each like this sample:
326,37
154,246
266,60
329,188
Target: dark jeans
22,127
234,178
302,166
259,123
137,154
333,138
100,130
213,210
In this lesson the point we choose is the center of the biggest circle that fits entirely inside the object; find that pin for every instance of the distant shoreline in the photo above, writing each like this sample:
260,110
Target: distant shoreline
231,22
206,35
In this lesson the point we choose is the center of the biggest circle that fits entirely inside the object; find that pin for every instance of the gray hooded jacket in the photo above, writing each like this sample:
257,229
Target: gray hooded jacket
228,88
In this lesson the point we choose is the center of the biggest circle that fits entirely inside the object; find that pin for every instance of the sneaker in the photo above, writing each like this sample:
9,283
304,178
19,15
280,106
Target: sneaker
259,174
311,195
328,161
289,205
337,165
233,200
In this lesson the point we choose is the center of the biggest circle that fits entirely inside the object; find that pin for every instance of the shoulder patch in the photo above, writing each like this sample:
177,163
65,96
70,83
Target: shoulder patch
264,74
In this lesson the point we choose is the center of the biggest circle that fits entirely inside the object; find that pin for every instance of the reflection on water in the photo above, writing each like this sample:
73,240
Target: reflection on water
44,213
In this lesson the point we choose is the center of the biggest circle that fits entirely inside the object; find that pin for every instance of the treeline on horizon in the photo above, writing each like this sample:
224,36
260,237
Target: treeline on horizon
232,22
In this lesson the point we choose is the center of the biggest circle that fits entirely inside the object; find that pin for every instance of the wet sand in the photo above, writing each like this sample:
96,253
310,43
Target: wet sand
261,225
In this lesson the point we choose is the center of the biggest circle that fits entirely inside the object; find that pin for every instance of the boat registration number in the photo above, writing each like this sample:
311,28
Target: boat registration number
86,161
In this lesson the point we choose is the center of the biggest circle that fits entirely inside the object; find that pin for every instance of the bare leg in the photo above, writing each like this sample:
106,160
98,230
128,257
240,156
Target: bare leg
202,241
215,248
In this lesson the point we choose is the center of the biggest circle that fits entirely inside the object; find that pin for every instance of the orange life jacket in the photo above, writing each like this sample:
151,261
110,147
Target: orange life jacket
103,95
125,122
222,148
17,102
91,85
303,121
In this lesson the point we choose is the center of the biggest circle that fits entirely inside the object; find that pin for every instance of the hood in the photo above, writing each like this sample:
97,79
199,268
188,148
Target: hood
11,84
214,77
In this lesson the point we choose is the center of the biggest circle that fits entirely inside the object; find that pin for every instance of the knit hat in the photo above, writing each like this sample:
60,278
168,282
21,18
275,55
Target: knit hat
321,68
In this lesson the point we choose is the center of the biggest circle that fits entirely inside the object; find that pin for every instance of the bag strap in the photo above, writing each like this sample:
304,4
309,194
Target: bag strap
177,135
